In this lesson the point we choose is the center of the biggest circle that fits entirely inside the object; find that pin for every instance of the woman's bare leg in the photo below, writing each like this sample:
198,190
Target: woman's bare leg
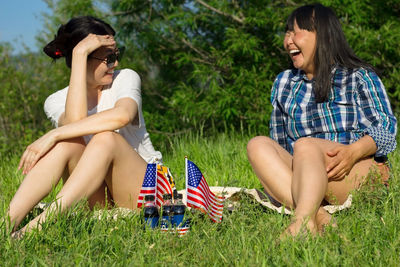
310,182
273,166
101,197
106,150
43,177
338,191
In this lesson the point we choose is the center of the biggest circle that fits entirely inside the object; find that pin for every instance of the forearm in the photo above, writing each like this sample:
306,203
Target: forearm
108,120
364,147
76,103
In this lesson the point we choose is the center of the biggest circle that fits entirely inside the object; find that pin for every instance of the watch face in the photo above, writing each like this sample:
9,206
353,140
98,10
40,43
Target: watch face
381,159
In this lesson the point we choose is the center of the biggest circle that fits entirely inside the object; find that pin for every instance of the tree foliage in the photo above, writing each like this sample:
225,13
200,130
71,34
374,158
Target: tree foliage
210,64
216,60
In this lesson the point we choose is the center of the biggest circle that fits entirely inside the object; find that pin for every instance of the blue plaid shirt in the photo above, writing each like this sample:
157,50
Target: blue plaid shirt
357,105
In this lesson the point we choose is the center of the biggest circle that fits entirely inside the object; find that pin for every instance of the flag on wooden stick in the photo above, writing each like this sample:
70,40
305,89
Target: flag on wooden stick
199,195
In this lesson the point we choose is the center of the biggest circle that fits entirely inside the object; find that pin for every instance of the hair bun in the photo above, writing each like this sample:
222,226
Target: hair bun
58,47
52,51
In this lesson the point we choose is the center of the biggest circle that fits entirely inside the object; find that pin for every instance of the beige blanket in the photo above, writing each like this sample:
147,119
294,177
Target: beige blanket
232,195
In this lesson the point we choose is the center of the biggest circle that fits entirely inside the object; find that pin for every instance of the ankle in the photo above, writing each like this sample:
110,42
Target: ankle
305,221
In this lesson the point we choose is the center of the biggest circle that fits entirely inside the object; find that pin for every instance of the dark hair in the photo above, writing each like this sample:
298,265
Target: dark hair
70,34
331,46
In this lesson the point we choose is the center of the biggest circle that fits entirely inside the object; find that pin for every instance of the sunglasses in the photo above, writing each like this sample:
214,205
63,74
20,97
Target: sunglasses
111,58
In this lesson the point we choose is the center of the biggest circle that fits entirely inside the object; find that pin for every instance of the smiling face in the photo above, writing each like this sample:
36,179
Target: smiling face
98,74
301,46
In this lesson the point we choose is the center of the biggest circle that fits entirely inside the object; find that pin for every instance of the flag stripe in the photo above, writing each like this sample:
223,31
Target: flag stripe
201,196
208,187
199,203
210,199
204,187
197,195
145,191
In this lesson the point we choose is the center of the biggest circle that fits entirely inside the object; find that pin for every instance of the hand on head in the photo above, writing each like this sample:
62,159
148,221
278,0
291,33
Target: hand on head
92,42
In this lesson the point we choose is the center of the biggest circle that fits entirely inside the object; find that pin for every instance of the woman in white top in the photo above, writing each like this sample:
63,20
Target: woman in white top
100,146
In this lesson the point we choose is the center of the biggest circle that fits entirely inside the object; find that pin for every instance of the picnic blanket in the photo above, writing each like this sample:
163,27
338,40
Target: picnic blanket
233,196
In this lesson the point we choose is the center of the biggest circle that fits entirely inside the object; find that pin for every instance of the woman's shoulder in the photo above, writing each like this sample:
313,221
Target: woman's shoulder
55,100
126,74
288,74
125,79
62,93
365,72
361,73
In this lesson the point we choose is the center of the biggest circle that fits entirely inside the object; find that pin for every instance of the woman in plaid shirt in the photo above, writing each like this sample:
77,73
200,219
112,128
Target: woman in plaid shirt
331,122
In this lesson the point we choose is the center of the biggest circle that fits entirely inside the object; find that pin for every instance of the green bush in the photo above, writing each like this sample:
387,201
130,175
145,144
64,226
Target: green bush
26,82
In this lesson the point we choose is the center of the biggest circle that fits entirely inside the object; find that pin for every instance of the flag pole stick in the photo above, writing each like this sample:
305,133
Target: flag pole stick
186,177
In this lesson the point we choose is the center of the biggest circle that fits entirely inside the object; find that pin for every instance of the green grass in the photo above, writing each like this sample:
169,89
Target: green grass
368,232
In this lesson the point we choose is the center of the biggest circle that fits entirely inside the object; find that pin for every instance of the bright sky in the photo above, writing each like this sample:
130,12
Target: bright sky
20,21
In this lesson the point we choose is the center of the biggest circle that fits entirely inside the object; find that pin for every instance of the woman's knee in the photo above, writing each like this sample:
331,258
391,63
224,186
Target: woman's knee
71,146
258,145
105,140
304,146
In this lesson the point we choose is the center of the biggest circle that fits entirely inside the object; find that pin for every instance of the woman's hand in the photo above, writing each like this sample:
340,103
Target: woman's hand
36,150
343,157
342,160
92,42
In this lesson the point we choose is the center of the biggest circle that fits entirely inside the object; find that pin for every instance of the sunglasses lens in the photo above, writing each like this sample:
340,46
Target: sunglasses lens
111,58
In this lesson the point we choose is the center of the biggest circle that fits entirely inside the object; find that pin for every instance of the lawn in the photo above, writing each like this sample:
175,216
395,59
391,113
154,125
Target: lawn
368,232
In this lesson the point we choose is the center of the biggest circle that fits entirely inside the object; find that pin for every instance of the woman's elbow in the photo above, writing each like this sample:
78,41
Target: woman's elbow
124,118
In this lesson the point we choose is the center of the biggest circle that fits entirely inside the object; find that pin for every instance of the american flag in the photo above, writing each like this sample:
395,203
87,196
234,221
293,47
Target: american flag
155,183
199,195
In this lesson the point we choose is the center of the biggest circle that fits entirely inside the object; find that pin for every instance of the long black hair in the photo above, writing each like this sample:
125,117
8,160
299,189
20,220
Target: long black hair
331,46
70,34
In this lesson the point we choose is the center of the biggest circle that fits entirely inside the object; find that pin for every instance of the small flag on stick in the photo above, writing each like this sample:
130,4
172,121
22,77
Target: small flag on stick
156,183
199,195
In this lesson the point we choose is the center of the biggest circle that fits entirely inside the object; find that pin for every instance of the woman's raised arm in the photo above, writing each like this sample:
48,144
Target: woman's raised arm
76,105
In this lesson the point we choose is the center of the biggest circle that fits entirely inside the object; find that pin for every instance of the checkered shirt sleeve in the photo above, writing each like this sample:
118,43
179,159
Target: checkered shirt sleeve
376,114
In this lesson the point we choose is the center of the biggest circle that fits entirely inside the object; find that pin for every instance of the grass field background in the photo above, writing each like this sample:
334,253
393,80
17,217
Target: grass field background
368,232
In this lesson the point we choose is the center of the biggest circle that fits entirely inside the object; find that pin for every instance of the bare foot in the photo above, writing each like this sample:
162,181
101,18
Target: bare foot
323,219
17,235
300,228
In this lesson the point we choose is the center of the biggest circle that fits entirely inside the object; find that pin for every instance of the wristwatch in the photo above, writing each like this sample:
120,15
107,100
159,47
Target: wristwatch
381,159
